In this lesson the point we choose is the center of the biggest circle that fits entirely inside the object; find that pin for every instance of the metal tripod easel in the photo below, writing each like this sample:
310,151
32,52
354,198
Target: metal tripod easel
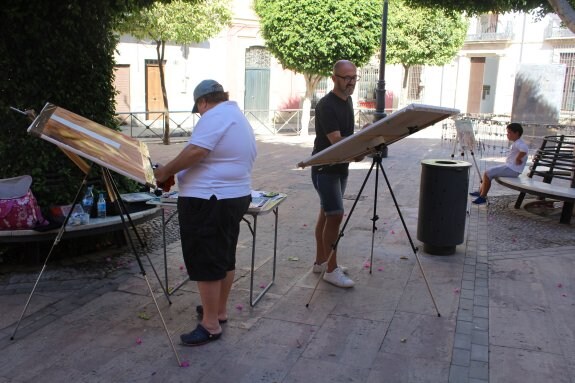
376,162
123,215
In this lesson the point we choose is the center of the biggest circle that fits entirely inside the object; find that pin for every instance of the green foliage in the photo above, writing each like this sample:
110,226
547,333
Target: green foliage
59,52
309,36
423,36
180,21
474,7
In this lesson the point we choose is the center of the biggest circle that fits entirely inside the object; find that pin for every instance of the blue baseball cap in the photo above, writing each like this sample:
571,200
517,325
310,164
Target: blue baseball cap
203,88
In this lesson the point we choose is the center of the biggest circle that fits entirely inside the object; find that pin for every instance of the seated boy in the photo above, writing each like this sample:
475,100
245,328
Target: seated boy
514,164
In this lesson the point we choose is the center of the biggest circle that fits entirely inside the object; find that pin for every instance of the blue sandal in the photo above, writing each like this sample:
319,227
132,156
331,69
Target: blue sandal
199,337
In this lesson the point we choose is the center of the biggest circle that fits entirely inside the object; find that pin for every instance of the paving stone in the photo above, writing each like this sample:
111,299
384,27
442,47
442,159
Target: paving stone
414,335
465,315
466,304
462,341
481,301
481,311
467,293
458,374
464,327
480,337
479,353
480,323
389,367
478,370
461,357
531,366
521,334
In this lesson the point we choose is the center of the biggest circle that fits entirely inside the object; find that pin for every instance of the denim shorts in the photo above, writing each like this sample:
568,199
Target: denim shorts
501,171
330,188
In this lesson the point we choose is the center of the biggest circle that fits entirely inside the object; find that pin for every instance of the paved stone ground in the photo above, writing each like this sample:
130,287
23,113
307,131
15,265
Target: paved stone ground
506,297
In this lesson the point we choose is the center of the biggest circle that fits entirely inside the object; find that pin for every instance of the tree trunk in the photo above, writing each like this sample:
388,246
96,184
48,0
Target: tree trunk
311,82
565,12
404,86
160,48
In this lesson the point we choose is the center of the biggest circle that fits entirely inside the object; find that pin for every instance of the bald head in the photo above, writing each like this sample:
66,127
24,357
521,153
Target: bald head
341,65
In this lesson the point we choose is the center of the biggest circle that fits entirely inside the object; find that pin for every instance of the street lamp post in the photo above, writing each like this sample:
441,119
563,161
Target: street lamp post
380,90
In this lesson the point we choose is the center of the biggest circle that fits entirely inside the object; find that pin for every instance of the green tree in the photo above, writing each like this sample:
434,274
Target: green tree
180,21
422,36
309,36
60,52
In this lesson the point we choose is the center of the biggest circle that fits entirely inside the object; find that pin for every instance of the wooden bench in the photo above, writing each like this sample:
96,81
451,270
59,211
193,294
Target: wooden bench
555,159
524,184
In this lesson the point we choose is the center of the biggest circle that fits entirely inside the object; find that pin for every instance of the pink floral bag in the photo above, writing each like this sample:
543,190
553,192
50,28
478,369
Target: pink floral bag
18,206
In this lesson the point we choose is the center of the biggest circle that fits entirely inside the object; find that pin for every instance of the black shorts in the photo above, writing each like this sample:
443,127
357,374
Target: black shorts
209,231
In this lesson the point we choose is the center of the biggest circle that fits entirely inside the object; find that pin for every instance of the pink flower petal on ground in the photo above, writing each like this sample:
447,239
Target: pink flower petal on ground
380,269
185,363
456,290
262,286
181,267
304,225
239,307
367,265
108,259
514,240
139,341
563,295
392,232
559,285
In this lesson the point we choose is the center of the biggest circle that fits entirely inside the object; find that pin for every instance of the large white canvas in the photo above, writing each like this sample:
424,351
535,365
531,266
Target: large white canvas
388,130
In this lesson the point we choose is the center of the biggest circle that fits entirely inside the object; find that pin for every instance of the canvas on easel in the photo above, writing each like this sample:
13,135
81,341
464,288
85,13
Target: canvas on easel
386,131
465,136
370,140
112,151
466,140
102,145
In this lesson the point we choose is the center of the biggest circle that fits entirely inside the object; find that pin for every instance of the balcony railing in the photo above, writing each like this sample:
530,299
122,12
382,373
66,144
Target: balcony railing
503,32
556,31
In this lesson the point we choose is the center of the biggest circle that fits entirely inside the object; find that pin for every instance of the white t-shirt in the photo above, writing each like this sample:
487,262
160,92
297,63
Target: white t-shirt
226,171
517,147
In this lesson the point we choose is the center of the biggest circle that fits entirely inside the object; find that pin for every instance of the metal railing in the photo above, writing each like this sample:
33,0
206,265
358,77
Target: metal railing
152,124
501,34
285,121
490,132
555,30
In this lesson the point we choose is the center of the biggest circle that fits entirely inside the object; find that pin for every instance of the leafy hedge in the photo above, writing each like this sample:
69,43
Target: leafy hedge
60,52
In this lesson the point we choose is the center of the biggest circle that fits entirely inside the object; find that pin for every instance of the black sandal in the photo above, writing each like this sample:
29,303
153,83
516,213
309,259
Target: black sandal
199,337
200,312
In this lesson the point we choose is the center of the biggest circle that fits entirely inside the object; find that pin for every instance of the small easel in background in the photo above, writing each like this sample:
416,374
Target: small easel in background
466,140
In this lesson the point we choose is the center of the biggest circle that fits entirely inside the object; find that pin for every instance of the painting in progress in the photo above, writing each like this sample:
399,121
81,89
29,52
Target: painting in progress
97,143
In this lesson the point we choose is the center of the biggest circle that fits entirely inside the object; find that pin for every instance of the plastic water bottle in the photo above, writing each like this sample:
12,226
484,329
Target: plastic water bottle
101,206
88,200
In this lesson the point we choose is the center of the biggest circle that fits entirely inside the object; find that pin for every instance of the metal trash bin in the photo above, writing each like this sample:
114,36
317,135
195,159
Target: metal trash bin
442,205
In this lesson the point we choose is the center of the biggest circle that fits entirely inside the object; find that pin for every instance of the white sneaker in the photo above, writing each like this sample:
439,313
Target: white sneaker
338,278
320,268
